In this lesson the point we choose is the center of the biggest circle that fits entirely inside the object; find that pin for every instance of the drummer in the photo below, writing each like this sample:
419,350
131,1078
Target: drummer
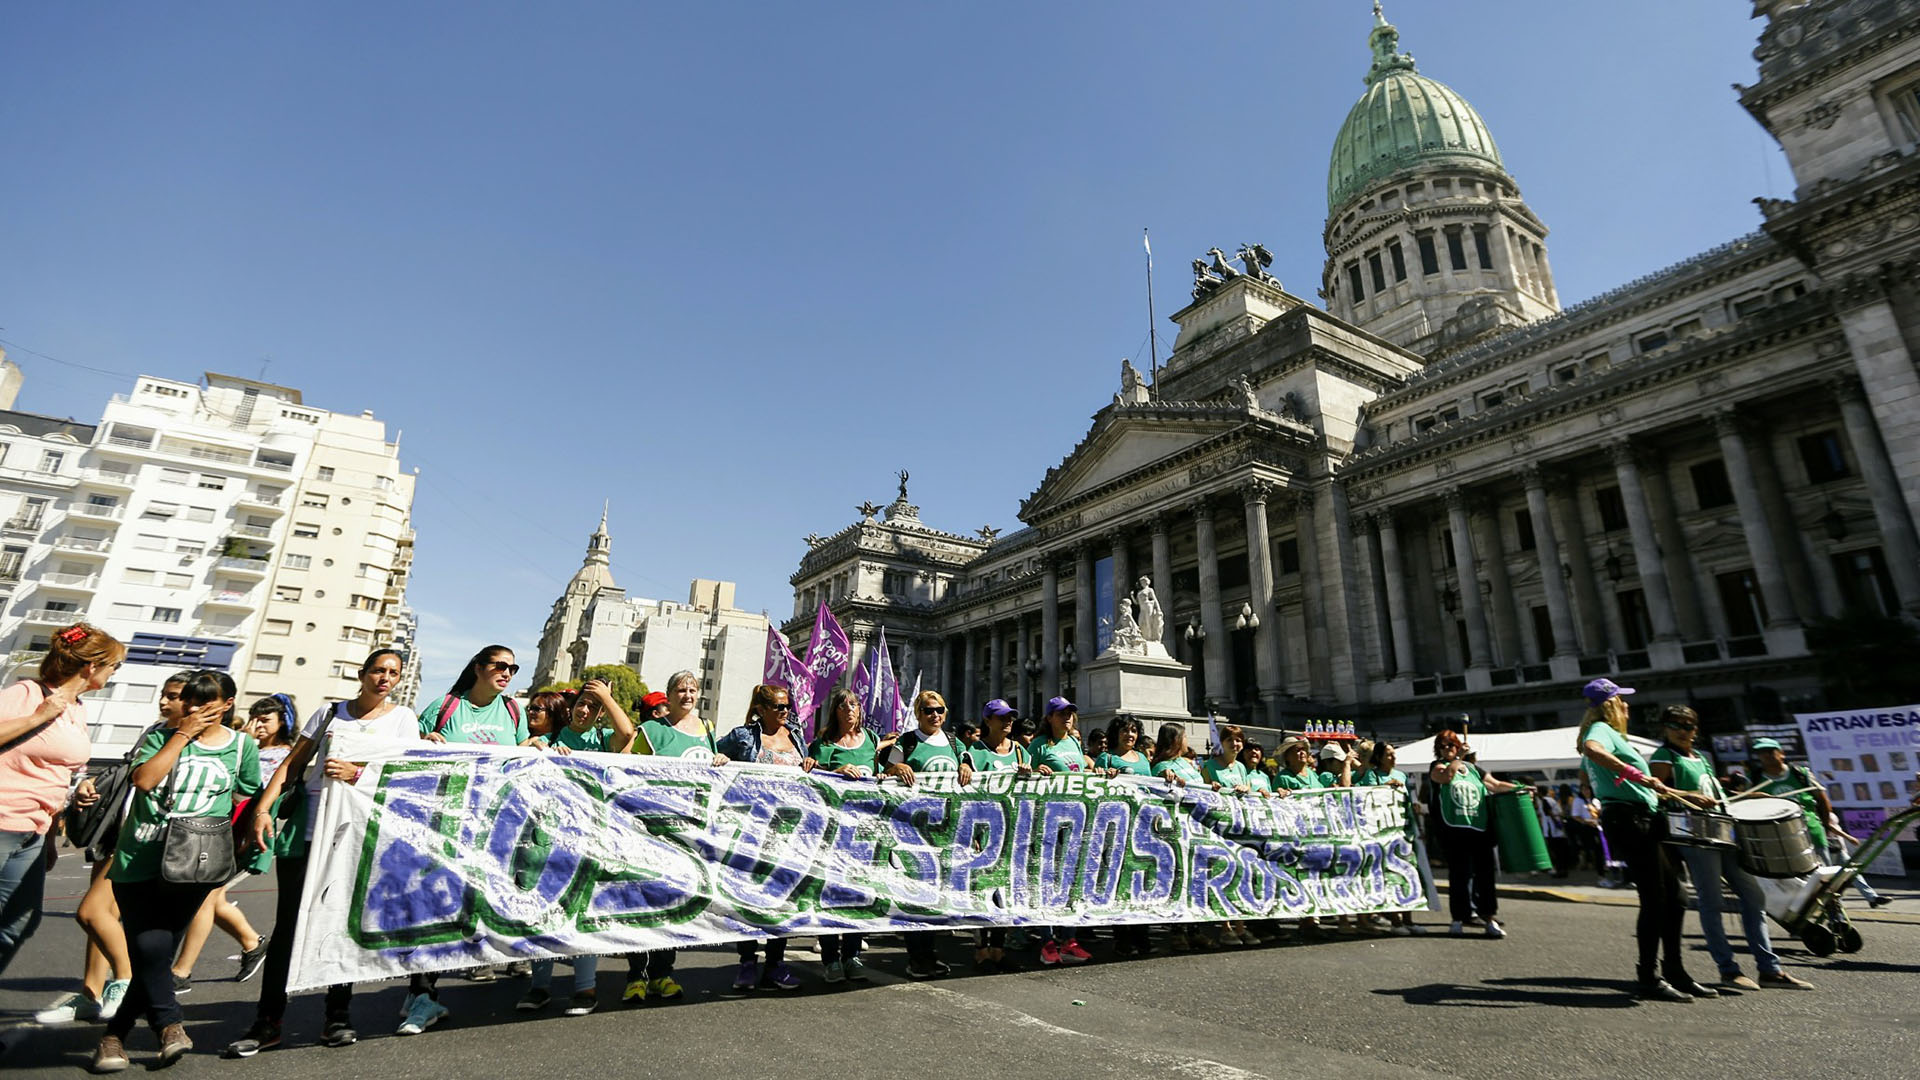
1678,765
1794,783
1629,815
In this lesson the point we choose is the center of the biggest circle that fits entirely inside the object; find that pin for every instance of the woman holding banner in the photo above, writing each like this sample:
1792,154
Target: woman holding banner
771,736
1380,772
682,734
367,714
1056,749
847,748
926,748
1124,755
996,751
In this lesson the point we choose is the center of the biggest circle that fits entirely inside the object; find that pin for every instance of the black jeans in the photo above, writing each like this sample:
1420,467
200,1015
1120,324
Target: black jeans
154,914
839,947
657,964
1470,884
922,949
292,872
776,951
1633,835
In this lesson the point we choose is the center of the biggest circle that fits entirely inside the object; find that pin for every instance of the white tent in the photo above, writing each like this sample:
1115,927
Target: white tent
1520,751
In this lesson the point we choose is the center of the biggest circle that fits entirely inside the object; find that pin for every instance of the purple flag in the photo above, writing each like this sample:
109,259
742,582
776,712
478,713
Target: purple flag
879,688
828,656
785,669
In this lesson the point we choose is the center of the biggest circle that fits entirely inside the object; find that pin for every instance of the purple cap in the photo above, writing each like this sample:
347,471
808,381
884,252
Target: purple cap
1059,704
996,707
1600,690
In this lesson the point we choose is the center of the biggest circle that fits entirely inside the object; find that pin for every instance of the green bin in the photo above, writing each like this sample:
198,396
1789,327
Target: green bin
1517,826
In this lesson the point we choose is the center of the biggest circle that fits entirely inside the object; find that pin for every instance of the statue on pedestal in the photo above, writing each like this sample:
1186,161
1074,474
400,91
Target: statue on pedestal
1126,632
1152,620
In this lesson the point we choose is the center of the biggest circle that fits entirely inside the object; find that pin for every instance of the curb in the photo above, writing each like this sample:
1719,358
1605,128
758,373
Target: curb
1627,898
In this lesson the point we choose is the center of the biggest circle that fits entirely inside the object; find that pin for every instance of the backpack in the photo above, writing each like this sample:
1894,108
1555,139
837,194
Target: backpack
905,744
452,701
96,828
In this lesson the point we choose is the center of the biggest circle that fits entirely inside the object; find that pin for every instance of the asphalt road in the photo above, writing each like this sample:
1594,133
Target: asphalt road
1550,1000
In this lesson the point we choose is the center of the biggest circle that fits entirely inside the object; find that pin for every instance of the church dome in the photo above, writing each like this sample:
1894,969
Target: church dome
1403,120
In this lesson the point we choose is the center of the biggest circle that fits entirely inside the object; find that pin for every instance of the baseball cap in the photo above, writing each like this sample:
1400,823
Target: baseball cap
1600,690
1059,704
655,698
1766,744
1330,752
997,707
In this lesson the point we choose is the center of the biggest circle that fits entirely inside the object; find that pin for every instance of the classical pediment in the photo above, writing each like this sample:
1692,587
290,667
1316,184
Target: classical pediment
1146,441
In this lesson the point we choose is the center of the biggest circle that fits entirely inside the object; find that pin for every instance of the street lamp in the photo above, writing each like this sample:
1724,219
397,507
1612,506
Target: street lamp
1195,632
1247,620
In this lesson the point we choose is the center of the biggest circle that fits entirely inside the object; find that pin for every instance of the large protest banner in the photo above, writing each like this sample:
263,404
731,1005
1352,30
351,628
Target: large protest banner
444,857
1867,758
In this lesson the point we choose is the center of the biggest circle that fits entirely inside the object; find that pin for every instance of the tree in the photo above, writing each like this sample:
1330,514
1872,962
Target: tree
625,683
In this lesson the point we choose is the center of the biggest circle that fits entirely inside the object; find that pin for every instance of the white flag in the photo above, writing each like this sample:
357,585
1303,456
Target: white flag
1146,243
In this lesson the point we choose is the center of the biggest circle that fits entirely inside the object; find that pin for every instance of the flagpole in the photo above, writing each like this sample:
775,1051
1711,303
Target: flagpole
1153,326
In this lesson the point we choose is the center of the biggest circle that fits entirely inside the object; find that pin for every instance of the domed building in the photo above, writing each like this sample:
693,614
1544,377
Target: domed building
1442,492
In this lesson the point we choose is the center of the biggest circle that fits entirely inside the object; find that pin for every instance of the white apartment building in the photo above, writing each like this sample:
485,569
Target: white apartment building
169,523
595,622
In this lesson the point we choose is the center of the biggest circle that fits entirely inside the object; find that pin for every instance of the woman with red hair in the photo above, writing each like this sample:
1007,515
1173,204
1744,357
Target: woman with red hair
1463,789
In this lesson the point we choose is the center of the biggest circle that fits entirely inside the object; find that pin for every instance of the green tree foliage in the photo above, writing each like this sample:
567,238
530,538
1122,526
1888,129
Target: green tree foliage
627,687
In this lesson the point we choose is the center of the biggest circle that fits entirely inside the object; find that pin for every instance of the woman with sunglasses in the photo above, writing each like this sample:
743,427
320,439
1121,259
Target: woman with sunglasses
771,736
927,748
995,751
288,827
847,748
678,732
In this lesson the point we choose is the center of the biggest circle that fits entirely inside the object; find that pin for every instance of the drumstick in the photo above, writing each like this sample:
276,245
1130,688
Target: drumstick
1773,794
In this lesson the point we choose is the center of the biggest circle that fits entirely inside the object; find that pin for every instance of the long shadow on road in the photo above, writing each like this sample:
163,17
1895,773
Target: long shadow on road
1566,993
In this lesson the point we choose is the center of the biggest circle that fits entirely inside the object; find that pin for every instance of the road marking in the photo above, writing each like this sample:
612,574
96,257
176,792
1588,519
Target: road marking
1183,1064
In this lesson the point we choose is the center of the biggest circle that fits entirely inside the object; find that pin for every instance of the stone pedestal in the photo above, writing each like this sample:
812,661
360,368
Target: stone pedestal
1148,687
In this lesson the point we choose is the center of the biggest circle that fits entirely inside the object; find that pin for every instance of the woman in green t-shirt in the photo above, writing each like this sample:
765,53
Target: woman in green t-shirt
1171,763
996,751
844,747
1123,753
1296,767
1225,769
193,768
1056,749
1629,815
1461,790
1381,758
581,728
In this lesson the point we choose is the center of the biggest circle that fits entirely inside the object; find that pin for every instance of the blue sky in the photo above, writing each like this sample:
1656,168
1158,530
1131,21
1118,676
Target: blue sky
731,265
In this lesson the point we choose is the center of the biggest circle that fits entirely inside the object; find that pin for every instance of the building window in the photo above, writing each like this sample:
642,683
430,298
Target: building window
1566,374
1399,256
1480,248
1740,600
1290,556
296,562
289,593
199,513
179,581
1424,423
1865,584
324,472
304,531
277,627
189,547
355,633
317,502
174,476
364,603
1749,307
160,511
1613,509
1492,398
149,542
212,482
1447,415
266,665
1523,528
1653,341
346,669
1446,545
1710,486
1429,258
1633,618
1456,254
1785,293
1821,454
1379,275
51,460
1353,282
135,576
166,614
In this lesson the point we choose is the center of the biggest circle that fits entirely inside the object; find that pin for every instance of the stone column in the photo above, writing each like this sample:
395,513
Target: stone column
1021,654
1592,621
1082,606
1753,520
1883,488
1163,576
969,676
1468,576
1506,626
1216,649
1687,610
1122,574
1888,374
996,664
909,657
1313,603
1050,622
1546,545
1254,495
1399,614
1646,548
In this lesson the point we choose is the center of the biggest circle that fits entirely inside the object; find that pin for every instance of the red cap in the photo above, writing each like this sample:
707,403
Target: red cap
653,699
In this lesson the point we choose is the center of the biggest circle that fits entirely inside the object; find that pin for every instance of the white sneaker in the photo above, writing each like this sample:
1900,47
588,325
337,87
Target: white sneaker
1494,931
110,998
422,1013
68,1008
1458,930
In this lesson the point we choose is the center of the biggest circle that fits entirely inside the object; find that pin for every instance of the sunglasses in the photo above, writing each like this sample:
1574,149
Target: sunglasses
933,710
1684,727
781,706
502,665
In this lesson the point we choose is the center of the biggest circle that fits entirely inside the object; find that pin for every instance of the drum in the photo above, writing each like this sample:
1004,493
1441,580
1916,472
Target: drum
1516,826
1693,827
1773,838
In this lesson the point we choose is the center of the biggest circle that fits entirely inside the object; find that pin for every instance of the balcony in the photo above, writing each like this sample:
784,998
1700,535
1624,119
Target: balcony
256,568
108,478
82,545
257,532
24,525
254,500
46,477
126,442
95,512
273,466
52,616
232,598
70,582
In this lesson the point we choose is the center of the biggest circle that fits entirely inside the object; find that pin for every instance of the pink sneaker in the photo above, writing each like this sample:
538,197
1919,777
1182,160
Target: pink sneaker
1072,953
1049,954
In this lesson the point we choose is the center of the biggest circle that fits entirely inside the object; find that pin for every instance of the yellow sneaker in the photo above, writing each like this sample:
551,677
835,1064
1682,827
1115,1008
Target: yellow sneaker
665,988
635,992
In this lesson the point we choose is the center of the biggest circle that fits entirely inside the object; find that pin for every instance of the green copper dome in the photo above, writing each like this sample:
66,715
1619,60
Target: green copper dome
1404,119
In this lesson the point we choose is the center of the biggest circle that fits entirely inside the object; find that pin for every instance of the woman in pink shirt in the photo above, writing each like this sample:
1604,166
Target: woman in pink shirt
43,745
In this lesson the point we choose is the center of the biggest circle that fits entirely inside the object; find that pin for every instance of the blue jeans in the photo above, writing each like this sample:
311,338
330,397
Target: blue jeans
585,970
1707,866
23,881
1837,853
